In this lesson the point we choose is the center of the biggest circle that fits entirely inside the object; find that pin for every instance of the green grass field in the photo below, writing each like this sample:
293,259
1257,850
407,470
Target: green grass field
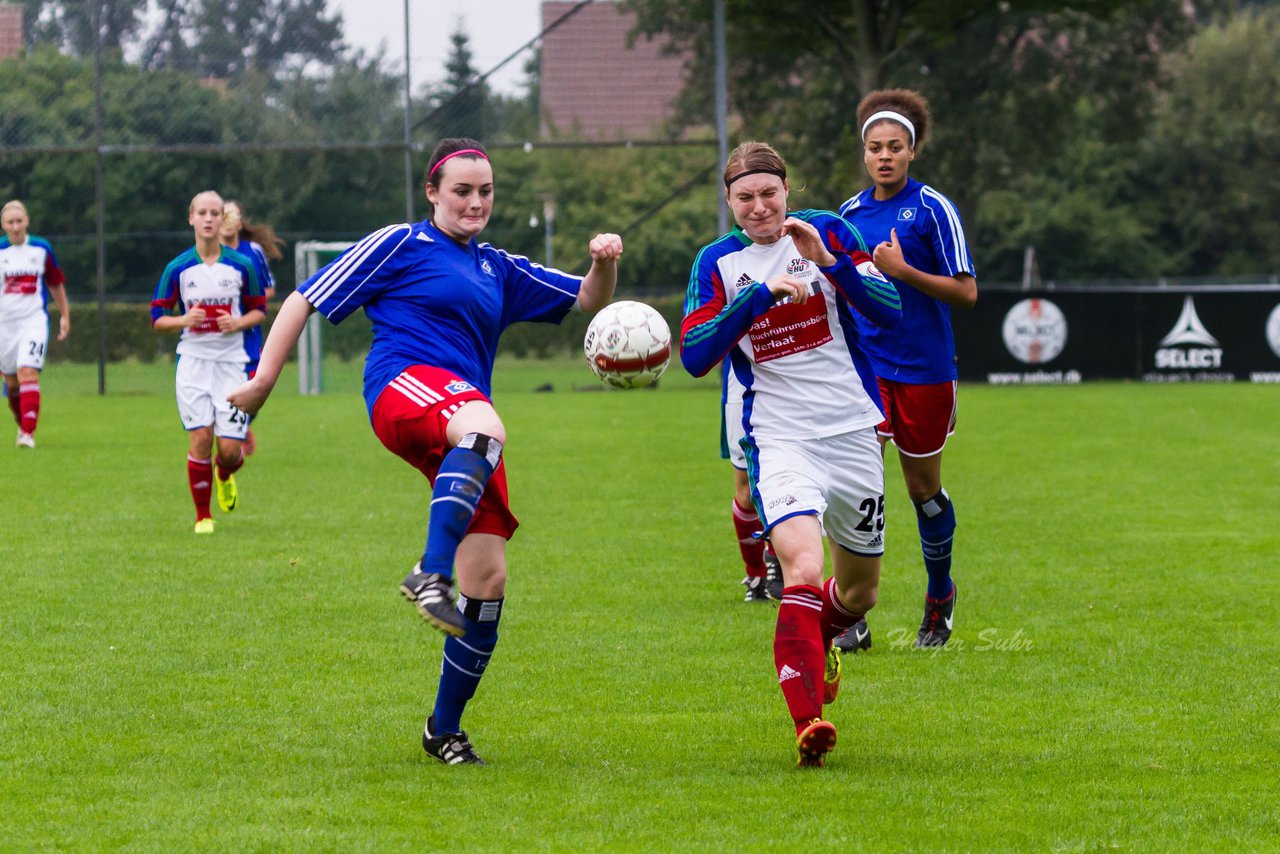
1112,681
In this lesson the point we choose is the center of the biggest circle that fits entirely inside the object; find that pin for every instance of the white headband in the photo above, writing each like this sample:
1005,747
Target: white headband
890,114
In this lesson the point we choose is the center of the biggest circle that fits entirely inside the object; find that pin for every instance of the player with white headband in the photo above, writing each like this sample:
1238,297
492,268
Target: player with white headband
920,245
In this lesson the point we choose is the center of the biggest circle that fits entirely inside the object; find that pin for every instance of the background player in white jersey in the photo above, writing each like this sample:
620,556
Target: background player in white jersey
439,301
920,245
28,268
763,578
775,297
259,243
218,297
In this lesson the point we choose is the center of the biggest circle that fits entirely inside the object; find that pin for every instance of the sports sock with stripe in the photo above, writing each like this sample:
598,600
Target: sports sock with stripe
799,654
836,618
29,406
459,485
465,660
936,519
200,478
746,522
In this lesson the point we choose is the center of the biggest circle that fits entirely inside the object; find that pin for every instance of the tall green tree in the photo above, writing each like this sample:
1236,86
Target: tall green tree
1211,164
463,100
68,24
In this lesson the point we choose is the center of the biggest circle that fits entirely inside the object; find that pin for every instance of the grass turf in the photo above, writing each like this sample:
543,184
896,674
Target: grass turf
1111,682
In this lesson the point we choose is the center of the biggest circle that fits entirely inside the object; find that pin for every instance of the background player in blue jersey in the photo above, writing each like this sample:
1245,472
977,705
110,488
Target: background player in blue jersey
775,297
259,243
217,297
438,301
920,245
29,272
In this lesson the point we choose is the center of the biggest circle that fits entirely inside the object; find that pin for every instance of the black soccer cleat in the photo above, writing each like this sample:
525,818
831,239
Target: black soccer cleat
855,638
451,748
756,591
772,575
432,593
935,628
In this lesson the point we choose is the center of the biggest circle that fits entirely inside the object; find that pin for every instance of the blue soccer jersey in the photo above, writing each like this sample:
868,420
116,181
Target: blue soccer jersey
921,349
254,253
435,302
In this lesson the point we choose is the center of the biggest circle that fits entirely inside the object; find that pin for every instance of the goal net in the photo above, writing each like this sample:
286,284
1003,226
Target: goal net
309,256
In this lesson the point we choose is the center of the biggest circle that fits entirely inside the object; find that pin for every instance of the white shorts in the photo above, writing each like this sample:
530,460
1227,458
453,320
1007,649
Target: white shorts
203,386
733,434
838,478
23,342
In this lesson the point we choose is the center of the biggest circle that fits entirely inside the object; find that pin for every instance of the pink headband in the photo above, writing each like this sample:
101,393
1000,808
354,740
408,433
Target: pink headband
477,152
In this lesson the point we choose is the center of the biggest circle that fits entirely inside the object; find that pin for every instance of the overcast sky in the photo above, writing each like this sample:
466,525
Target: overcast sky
496,28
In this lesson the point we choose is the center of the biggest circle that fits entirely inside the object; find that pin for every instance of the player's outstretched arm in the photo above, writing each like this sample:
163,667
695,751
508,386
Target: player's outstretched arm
599,283
284,334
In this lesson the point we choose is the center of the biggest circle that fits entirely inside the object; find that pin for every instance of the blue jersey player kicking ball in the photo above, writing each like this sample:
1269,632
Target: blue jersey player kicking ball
439,300
920,245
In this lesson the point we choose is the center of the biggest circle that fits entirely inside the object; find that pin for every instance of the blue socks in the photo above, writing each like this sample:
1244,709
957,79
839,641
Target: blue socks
459,484
936,519
465,660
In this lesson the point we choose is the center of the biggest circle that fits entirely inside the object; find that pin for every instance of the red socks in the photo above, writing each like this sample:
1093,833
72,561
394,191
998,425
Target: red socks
14,406
225,471
747,523
799,652
200,476
836,618
28,406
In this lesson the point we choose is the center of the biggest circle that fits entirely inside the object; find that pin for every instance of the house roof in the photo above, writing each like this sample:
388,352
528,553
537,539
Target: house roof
594,84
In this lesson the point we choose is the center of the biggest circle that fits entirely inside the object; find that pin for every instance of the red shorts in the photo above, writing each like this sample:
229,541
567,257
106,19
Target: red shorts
410,417
918,418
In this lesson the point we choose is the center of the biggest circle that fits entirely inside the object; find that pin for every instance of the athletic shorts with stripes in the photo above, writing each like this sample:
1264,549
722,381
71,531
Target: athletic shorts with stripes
918,418
410,418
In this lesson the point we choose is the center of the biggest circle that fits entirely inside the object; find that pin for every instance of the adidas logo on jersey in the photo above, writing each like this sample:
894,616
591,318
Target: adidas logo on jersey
787,673
744,281
424,237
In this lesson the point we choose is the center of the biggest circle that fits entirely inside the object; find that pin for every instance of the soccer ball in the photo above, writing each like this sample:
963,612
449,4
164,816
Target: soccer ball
628,344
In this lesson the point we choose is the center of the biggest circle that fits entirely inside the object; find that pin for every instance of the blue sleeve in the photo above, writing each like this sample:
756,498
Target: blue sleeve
264,269
356,276
711,327
947,233
854,274
533,292
166,295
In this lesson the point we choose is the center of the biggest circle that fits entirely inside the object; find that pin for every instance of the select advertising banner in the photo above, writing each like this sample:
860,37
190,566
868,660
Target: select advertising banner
1192,334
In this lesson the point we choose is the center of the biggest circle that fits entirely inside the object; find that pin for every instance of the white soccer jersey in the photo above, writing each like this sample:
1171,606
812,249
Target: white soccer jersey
798,360
228,287
25,270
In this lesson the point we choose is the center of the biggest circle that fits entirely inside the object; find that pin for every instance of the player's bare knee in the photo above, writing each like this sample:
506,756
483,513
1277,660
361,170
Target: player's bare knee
477,416
860,598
